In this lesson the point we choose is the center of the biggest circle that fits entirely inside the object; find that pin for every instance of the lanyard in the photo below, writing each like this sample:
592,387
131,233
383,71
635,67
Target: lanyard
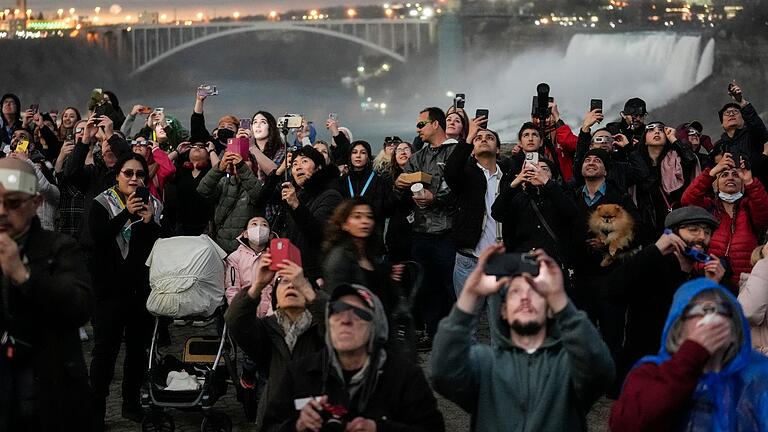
365,188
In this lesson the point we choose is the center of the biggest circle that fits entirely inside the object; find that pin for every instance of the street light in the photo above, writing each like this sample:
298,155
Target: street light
60,12
236,15
200,16
163,17
97,9
71,11
351,13
272,15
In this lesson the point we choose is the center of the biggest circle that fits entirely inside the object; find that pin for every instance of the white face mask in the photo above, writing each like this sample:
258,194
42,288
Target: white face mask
258,235
730,198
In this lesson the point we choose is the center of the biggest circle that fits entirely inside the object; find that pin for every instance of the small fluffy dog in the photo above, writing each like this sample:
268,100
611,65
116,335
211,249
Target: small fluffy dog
612,225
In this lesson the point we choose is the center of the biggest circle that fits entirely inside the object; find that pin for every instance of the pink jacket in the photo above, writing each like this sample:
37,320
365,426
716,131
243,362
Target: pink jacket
754,299
239,274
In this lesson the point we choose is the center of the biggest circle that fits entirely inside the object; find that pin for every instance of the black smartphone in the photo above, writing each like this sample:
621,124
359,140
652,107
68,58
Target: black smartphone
482,112
614,128
35,108
596,104
143,193
100,110
511,264
459,100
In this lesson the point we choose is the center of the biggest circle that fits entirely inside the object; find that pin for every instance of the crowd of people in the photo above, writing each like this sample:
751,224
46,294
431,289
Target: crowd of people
583,249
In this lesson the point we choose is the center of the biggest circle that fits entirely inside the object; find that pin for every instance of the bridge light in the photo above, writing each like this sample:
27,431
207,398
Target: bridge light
272,14
29,12
60,12
351,13
383,105
385,67
128,18
163,17
97,9
413,12
428,12
200,16
386,5
236,15
388,12
361,69
313,12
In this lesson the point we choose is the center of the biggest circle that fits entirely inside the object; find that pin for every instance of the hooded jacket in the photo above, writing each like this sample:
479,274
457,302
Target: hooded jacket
6,129
395,394
670,391
236,200
506,389
748,140
238,275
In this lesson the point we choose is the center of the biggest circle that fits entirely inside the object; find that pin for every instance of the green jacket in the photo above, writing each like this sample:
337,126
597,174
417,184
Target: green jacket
235,198
507,389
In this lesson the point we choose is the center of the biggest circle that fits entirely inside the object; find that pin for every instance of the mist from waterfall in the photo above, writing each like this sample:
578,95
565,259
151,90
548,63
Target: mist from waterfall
656,66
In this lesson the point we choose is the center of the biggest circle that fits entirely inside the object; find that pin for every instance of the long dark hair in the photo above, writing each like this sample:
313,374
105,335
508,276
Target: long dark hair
393,166
334,231
273,137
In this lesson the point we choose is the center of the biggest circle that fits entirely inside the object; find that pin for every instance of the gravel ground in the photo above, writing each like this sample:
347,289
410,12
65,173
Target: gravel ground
455,418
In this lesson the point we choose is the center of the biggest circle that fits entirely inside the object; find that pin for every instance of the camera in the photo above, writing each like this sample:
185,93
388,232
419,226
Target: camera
540,106
512,264
334,418
290,121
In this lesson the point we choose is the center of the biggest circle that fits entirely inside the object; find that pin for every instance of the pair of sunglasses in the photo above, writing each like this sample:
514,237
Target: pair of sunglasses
706,308
392,140
339,306
129,173
423,123
655,125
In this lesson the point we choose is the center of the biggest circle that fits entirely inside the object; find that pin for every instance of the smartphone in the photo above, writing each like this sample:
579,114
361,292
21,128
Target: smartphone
697,255
35,108
145,110
532,158
70,136
333,116
100,110
143,193
596,104
510,264
282,249
459,100
736,96
482,112
207,90
158,110
290,121
246,123
22,146
240,146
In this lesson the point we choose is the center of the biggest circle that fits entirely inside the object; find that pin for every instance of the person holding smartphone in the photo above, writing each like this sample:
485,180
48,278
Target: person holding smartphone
124,228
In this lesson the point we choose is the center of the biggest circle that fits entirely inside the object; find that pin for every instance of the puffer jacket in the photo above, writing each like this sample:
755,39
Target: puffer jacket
753,297
238,275
437,218
236,198
733,239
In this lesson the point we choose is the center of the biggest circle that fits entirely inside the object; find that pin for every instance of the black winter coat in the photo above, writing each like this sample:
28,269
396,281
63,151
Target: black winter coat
748,141
47,311
468,183
522,229
263,340
340,265
402,400
626,168
92,180
305,225
379,193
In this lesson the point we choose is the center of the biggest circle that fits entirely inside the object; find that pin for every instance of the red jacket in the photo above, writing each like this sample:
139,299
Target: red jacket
565,145
734,241
654,395
165,169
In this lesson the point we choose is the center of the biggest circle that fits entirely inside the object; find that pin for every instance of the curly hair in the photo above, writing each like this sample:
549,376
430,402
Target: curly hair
334,231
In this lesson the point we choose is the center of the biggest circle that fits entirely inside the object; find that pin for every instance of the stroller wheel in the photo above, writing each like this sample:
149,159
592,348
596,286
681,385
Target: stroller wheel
156,421
216,422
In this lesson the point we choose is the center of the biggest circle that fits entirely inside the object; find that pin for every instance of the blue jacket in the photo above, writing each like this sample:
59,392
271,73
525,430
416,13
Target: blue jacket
734,399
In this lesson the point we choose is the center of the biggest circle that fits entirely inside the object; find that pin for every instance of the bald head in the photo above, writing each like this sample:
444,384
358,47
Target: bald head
17,175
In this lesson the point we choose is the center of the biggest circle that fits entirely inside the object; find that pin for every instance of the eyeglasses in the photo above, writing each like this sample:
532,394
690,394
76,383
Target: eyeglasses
706,308
79,130
731,112
423,123
403,150
655,125
339,306
14,203
129,173
692,132
697,229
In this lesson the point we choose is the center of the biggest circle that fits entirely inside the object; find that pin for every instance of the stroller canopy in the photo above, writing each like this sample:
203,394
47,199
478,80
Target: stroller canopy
186,275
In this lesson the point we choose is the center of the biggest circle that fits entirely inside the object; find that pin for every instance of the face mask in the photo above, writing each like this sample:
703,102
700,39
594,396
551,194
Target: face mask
258,235
225,134
730,198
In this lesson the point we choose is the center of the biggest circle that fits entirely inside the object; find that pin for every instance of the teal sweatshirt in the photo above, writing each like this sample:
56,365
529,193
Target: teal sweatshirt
507,389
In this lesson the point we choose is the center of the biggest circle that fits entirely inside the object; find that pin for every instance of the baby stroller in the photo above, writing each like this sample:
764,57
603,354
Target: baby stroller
186,276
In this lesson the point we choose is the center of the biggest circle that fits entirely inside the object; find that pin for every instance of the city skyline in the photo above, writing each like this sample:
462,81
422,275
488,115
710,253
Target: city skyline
181,7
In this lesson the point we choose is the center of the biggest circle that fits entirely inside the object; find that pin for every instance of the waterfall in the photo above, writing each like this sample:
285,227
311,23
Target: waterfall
656,66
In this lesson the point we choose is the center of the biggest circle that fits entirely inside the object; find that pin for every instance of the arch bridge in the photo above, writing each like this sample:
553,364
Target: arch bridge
144,46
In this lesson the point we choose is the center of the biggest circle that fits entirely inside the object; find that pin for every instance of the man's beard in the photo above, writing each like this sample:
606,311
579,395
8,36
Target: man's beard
529,328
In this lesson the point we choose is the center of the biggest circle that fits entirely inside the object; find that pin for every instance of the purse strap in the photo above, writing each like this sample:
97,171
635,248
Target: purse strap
544,222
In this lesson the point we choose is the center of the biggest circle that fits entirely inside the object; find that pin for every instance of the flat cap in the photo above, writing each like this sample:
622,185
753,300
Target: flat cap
690,215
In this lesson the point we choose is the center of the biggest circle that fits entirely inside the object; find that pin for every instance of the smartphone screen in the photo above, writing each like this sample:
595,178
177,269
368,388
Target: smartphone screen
246,123
596,104
143,193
